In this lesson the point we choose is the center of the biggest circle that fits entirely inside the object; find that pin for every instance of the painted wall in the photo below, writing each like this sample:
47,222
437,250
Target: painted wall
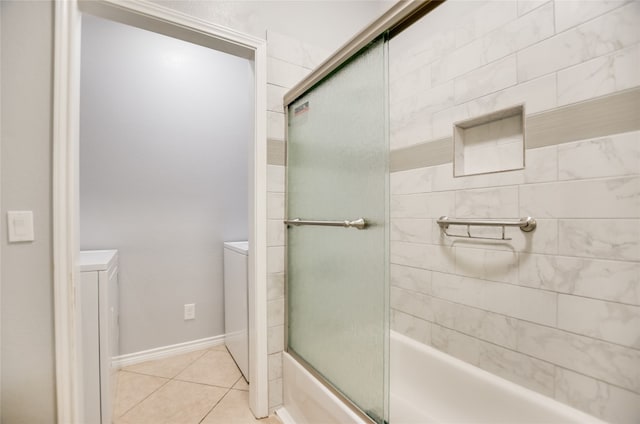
27,49
28,387
556,310
164,133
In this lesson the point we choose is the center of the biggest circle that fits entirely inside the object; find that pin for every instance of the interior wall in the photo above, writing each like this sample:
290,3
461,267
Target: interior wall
164,133
556,310
27,51
27,385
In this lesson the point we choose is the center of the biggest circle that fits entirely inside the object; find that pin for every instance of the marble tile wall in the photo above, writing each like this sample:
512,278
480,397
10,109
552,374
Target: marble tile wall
288,61
545,56
556,310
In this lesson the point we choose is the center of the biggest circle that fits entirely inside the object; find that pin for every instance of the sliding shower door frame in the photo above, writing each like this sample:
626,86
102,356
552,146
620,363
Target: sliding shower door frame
306,365
397,18
400,16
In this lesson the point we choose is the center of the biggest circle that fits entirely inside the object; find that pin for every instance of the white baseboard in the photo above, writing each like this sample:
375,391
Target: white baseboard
166,351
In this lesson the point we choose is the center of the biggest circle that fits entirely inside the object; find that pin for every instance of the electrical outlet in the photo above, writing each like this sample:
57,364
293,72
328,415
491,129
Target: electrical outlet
190,311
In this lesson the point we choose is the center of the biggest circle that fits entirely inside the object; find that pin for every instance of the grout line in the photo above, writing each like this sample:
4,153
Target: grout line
593,18
528,355
146,397
597,379
144,374
168,380
214,406
518,320
555,382
515,350
201,383
223,396
202,354
521,285
558,254
556,324
297,65
555,30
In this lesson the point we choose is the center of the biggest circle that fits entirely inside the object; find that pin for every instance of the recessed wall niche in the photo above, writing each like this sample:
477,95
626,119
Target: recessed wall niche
489,143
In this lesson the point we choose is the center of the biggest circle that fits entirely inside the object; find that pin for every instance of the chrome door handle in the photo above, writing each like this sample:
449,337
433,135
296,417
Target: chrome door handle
359,223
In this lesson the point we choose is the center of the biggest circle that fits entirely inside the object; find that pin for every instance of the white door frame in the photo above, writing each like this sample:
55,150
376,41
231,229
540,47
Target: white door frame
66,108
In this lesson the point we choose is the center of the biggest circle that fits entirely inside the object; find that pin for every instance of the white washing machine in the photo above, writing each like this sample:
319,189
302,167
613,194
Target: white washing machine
98,293
236,303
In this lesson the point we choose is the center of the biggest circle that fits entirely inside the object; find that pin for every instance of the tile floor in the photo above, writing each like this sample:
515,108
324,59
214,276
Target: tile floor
196,387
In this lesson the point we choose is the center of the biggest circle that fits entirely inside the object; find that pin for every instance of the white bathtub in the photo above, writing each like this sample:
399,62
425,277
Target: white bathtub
427,386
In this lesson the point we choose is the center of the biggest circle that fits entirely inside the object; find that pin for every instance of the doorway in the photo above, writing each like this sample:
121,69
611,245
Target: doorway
164,132
157,19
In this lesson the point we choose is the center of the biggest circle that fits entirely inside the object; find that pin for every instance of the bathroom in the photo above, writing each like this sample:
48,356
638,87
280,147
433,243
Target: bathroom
512,211
551,313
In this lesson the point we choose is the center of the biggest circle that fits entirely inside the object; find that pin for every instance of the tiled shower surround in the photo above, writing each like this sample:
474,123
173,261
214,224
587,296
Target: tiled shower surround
288,62
556,310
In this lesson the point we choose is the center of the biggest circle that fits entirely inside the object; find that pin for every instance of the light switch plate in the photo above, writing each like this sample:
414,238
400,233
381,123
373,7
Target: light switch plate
190,311
20,225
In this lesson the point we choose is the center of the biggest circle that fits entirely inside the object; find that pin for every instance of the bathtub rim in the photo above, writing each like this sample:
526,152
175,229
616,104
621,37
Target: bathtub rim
313,387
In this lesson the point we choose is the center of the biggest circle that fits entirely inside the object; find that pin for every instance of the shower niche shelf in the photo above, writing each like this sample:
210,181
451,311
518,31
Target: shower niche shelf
489,143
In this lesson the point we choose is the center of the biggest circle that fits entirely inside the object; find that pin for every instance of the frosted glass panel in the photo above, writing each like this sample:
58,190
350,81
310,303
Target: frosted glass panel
337,277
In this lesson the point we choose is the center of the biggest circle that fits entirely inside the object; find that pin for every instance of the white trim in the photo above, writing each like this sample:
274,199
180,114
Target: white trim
65,274
166,351
258,354
65,182
1,232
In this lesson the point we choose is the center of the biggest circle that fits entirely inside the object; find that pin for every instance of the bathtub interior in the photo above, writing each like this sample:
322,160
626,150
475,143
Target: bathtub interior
429,386
426,386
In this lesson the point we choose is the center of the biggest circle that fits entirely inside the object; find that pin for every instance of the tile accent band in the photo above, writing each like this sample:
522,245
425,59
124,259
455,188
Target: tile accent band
601,116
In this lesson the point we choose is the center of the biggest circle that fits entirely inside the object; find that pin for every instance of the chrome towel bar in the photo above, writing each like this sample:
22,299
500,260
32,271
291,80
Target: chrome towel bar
526,224
359,223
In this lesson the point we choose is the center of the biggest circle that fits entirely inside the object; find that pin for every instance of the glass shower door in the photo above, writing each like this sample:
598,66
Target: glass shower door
337,282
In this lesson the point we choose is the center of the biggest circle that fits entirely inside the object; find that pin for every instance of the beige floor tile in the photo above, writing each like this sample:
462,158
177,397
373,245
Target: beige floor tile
241,384
220,347
214,367
133,388
167,367
177,402
234,409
